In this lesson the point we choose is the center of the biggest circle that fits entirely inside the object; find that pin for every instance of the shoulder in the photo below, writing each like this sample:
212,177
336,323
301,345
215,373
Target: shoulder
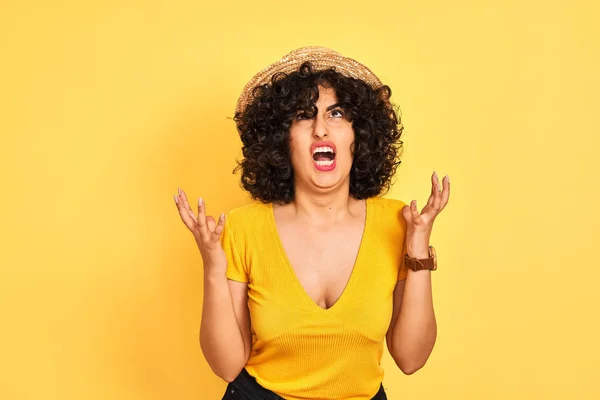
386,205
249,217
246,227
250,209
388,212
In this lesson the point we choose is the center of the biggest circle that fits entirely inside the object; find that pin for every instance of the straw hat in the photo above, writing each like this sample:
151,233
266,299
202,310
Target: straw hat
320,57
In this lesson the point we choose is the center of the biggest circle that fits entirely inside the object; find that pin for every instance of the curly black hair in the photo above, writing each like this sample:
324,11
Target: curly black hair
264,128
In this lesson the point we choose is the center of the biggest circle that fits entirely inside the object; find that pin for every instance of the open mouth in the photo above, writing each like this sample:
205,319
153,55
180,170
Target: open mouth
324,157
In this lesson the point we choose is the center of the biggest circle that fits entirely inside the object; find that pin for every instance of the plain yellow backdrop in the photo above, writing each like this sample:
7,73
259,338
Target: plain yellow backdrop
108,106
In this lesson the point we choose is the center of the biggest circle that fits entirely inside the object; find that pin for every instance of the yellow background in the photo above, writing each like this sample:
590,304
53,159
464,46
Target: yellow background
108,106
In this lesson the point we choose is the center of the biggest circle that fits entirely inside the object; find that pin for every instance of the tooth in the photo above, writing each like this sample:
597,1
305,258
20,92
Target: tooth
323,149
325,163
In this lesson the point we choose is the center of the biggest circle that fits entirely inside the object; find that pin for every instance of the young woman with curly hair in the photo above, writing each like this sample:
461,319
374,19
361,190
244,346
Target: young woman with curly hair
302,287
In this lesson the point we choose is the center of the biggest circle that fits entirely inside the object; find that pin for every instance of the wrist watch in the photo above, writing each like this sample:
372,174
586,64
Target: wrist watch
418,264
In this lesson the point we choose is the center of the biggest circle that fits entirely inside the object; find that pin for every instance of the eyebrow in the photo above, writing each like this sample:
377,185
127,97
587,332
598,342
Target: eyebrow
331,107
336,105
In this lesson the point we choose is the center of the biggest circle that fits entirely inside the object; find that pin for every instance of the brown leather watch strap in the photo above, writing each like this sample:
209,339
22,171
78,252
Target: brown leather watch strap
418,264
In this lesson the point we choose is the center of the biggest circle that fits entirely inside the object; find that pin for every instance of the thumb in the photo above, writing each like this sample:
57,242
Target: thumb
406,212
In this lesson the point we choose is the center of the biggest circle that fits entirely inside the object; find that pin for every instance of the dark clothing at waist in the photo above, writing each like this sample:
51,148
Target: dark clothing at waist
245,387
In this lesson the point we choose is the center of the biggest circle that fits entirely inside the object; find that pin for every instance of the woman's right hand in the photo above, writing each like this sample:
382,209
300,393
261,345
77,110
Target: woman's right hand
206,231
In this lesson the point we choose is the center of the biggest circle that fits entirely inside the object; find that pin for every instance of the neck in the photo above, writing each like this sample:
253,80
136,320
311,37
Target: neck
325,208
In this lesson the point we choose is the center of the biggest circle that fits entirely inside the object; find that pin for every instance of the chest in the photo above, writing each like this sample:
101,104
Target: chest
322,258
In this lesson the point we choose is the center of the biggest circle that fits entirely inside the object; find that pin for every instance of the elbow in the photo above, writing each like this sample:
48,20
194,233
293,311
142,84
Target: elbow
409,369
227,375
409,365
225,368
414,357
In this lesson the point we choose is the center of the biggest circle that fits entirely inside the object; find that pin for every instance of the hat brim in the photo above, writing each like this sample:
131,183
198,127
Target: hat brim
320,57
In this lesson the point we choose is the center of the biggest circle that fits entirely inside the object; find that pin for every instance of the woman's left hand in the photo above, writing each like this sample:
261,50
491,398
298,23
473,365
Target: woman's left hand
420,224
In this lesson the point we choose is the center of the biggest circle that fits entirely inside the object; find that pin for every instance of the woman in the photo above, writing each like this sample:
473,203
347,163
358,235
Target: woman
302,286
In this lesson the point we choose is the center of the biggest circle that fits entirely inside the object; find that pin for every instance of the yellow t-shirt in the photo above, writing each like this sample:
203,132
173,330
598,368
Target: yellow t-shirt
300,350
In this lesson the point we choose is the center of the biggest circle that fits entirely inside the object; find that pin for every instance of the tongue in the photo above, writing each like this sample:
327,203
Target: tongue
323,156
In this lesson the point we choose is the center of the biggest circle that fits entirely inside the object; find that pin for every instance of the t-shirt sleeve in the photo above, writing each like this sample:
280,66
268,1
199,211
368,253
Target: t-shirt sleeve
236,270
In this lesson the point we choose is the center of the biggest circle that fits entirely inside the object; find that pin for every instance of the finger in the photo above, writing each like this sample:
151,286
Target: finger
413,210
406,213
437,201
219,228
184,197
185,216
437,184
445,192
438,193
432,194
202,216
192,216
187,205
210,222
429,204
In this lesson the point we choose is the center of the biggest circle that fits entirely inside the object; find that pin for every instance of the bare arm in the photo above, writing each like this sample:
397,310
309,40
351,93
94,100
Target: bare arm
225,326
413,330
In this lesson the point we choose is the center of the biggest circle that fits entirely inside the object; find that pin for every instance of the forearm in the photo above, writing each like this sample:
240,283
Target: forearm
221,340
415,330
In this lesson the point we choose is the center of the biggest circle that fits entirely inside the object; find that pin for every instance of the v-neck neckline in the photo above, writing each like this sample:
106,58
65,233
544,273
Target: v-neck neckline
294,277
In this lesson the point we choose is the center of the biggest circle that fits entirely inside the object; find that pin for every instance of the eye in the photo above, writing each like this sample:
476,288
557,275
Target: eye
302,115
339,111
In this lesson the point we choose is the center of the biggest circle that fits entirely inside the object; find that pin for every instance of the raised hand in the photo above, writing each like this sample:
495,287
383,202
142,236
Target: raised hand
206,231
422,223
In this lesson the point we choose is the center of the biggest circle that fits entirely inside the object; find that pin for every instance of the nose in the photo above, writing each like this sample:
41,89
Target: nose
320,129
